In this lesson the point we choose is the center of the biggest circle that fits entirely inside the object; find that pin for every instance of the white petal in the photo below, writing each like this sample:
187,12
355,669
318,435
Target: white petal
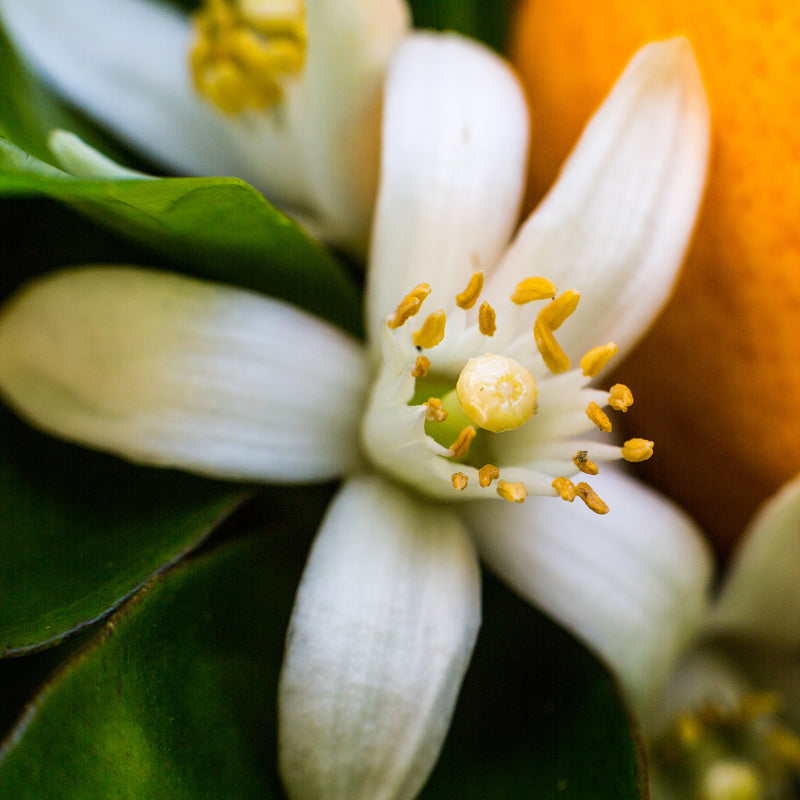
80,159
632,583
126,63
760,597
454,147
383,628
616,224
172,371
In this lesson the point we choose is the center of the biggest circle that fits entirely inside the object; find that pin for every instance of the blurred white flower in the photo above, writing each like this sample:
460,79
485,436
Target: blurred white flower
311,146
476,403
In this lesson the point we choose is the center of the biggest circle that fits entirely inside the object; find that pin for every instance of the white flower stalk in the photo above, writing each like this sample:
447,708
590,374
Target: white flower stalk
443,424
728,722
282,93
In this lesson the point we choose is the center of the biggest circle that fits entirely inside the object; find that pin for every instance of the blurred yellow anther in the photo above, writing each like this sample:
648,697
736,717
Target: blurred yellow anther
533,289
786,745
589,496
421,367
550,319
620,397
581,461
513,492
461,444
689,730
434,411
459,480
597,358
487,320
432,330
488,473
409,305
469,296
565,488
243,50
637,450
599,417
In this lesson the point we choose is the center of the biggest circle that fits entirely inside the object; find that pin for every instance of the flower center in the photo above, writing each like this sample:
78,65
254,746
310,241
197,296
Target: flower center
740,752
454,418
243,51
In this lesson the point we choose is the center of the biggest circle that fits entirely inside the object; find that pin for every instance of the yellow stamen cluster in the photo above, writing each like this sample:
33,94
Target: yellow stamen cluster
497,394
244,50
550,318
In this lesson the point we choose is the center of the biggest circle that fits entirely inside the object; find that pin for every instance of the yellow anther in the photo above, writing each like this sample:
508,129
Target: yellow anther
759,704
421,367
581,461
550,318
459,480
599,417
533,289
565,488
488,473
620,397
597,358
637,450
590,497
556,312
432,330
409,305
434,411
487,319
244,49
461,444
786,745
554,357
496,392
689,731
469,296
513,492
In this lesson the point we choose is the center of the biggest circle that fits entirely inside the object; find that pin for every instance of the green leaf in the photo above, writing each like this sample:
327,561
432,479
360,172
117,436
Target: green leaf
216,228
177,699
486,20
538,716
80,531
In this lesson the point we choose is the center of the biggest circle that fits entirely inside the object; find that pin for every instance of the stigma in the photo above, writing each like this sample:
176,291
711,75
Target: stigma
244,51
479,400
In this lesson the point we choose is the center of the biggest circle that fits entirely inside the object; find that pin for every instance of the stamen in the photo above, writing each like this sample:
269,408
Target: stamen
513,492
599,417
620,397
590,497
432,330
581,461
487,319
409,305
421,367
460,446
459,480
533,289
434,411
497,393
243,50
488,473
550,319
469,296
635,450
565,488
597,358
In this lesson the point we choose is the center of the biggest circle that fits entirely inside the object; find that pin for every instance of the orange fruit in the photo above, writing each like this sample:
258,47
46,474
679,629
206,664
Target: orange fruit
717,380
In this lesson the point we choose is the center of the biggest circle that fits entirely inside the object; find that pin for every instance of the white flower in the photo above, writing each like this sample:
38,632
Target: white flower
313,151
166,370
728,722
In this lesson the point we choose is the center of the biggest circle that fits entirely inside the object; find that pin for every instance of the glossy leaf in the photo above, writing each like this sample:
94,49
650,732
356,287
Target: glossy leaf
217,228
177,699
80,531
